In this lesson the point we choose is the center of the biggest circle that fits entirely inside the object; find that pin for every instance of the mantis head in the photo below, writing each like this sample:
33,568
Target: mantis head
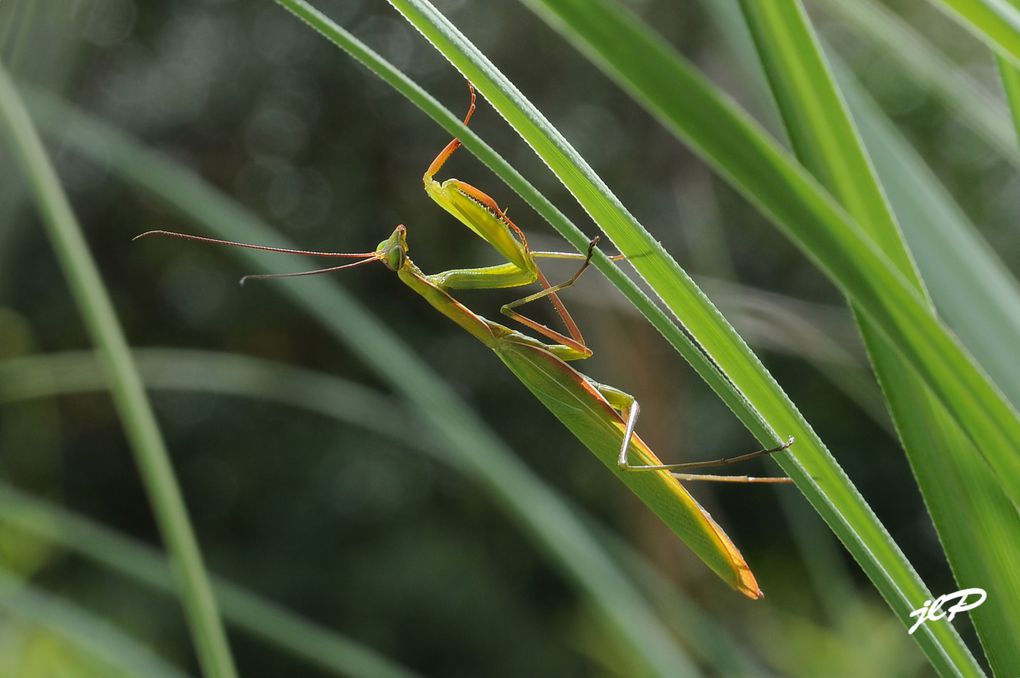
393,250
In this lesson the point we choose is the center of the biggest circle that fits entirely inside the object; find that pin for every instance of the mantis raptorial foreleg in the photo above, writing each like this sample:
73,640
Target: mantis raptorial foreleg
480,212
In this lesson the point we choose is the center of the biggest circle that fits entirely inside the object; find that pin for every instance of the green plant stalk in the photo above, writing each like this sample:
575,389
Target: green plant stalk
126,388
994,22
547,520
94,636
1011,86
809,464
828,144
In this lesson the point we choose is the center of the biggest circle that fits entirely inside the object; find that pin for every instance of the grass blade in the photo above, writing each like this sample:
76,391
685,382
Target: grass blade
550,523
969,101
126,388
994,22
91,634
1011,85
261,618
972,288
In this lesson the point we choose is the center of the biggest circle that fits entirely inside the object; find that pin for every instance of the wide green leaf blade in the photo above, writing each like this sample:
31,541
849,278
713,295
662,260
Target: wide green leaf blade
823,137
976,522
972,288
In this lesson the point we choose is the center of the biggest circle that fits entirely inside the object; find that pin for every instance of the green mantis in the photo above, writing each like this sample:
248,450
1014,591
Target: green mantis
603,418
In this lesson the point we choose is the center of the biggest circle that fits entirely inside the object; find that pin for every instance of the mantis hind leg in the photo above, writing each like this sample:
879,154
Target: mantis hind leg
629,409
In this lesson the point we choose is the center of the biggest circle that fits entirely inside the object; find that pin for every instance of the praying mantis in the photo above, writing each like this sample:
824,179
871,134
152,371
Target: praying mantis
602,417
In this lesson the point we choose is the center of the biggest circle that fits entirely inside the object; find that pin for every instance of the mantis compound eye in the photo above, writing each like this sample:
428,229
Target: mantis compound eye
395,258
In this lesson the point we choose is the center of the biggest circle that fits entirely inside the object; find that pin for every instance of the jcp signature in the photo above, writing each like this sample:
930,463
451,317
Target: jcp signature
932,610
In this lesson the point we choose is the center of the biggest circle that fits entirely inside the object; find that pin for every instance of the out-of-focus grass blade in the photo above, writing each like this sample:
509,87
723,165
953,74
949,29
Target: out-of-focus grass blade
972,288
729,656
70,372
972,103
94,636
813,469
263,619
345,402
1011,86
543,516
995,22
126,388
975,529
653,71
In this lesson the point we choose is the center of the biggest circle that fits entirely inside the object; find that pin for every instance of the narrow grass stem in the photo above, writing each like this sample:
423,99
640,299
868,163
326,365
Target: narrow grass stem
125,385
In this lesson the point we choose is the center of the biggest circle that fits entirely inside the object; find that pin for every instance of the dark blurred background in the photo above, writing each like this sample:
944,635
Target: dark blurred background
351,528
